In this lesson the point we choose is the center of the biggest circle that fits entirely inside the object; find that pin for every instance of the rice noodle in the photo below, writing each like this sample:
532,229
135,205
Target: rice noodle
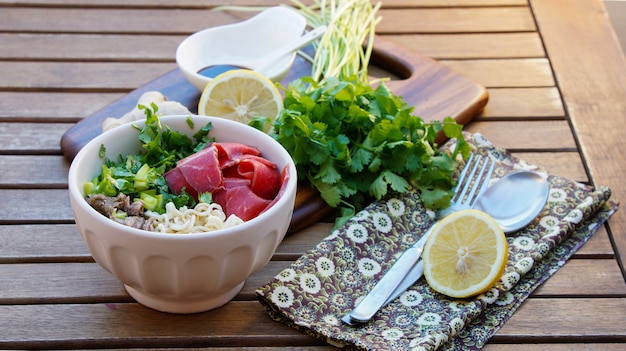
200,219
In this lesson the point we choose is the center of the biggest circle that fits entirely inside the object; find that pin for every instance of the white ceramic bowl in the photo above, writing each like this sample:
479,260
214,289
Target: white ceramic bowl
250,39
181,273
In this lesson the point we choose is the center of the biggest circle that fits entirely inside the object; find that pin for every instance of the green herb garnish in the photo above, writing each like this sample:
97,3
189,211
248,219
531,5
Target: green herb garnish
140,176
355,144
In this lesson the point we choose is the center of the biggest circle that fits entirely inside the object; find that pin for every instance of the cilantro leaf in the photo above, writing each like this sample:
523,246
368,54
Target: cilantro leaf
355,144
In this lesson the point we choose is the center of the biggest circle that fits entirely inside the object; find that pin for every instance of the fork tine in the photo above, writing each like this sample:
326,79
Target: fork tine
463,188
462,177
487,176
482,179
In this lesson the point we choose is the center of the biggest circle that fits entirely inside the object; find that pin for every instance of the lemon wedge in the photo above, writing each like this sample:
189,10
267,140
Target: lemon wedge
240,95
465,254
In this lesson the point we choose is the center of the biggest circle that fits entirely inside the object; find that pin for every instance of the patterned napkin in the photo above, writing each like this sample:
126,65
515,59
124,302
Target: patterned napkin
323,285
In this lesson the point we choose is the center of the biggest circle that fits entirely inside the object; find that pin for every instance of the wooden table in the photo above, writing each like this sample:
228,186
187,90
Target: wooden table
555,74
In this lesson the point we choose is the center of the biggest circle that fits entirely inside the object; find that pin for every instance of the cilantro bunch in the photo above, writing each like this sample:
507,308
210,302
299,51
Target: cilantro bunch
140,175
354,144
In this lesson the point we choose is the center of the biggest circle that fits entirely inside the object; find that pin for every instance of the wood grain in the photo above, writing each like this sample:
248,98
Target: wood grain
554,74
532,72
509,103
131,324
25,171
445,46
87,282
526,135
52,107
33,138
80,76
188,20
211,3
42,243
594,92
160,48
53,206
557,325
456,20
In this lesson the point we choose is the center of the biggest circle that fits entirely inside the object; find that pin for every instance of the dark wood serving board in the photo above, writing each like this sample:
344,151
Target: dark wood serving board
434,90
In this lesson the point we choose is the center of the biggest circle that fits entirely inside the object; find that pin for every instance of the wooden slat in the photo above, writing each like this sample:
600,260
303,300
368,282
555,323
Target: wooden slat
116,20
51,106
210,3
186,21
456,20
35,206
87,47
580,277
116,47
36,138
513,73
30,243
59,283
564,164
75,76
135,326
598,246
452,3
473,45
542,320
594,92
523,103
161,5
33,171
524,135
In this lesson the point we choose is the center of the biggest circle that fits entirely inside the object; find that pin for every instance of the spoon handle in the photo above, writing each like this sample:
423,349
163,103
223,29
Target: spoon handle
288,48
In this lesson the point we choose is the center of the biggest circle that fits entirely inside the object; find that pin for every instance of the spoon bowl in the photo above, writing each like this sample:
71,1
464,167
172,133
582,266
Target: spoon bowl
515,199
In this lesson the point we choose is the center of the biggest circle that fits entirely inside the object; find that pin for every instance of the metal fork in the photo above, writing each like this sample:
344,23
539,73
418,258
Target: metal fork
471,183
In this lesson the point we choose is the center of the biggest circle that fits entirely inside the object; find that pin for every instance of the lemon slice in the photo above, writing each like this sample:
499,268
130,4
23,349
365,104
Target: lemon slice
465,254
240,95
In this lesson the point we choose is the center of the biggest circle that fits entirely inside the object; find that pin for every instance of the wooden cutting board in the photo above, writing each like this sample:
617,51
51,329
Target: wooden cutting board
434,90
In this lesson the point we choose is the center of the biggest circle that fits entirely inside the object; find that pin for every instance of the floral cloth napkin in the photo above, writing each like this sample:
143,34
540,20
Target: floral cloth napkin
324,284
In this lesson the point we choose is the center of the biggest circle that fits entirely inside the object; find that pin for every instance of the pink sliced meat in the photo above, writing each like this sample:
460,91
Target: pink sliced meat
177,182
284,177
237,198
241,181
230,153
201,170
263,175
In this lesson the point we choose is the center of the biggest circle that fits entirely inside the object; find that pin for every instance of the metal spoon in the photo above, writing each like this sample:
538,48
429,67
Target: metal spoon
513,201
263,63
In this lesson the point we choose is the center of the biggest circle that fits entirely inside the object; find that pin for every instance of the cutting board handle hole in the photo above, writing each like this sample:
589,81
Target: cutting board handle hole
395,67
